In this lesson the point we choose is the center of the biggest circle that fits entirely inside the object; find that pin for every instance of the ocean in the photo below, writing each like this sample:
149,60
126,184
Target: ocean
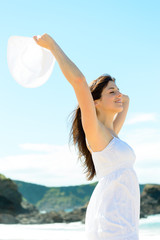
149,228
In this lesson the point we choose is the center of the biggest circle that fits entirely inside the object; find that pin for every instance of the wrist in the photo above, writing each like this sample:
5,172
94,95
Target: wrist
52,45
125,98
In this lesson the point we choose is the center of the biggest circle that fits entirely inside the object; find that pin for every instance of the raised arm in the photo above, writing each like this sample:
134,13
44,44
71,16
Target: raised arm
68,68
78,81
75,77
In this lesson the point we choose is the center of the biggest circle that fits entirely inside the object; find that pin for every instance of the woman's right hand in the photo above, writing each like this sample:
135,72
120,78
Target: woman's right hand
44,41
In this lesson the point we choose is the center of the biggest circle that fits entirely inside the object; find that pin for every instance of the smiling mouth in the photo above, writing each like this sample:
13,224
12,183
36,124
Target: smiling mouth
118,101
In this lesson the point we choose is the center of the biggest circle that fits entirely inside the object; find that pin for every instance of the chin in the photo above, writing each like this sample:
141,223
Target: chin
120,109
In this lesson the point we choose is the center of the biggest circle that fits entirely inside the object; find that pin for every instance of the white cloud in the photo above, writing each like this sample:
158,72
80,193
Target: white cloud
41,147
148,175
57,167
141,117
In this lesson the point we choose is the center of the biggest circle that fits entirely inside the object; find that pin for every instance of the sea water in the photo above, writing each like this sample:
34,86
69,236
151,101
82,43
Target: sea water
149,228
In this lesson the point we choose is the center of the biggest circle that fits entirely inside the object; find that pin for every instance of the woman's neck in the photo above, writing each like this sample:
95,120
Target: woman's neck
107,120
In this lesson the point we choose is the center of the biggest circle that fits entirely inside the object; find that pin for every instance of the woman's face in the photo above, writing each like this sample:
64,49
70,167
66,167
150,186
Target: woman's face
111,99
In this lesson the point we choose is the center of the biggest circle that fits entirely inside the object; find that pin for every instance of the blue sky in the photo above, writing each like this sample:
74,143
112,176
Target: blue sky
116,37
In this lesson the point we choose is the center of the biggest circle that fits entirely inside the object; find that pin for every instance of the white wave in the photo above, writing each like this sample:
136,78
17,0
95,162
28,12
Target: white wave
149,228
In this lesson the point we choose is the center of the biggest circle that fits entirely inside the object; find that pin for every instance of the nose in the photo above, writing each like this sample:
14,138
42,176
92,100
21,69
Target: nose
119,94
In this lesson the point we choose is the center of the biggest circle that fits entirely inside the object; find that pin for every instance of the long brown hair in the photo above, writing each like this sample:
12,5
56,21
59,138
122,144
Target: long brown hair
77,135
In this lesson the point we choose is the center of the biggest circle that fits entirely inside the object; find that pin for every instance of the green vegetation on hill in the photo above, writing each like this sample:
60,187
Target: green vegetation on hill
65,198
32,192
2,177
53,199
57,198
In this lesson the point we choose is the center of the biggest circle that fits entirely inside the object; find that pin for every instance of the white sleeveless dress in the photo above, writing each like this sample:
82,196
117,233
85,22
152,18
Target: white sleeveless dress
114,207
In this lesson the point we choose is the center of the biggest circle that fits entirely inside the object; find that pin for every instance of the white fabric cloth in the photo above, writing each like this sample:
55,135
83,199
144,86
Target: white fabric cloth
29,64
114,207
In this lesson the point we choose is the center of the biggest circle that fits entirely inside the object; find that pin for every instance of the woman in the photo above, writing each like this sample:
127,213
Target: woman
113,209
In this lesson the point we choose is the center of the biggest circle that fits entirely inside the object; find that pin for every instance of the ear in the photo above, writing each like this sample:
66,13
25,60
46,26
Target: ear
96,102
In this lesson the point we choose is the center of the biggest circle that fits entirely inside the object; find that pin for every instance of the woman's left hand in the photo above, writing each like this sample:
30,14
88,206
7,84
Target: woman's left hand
44,41
125,98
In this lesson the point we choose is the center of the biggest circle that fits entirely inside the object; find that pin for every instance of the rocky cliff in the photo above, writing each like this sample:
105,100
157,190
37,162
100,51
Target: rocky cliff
10,198
150,200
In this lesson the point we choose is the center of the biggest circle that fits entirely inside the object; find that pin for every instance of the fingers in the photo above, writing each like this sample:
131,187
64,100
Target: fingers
43,41
35,38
